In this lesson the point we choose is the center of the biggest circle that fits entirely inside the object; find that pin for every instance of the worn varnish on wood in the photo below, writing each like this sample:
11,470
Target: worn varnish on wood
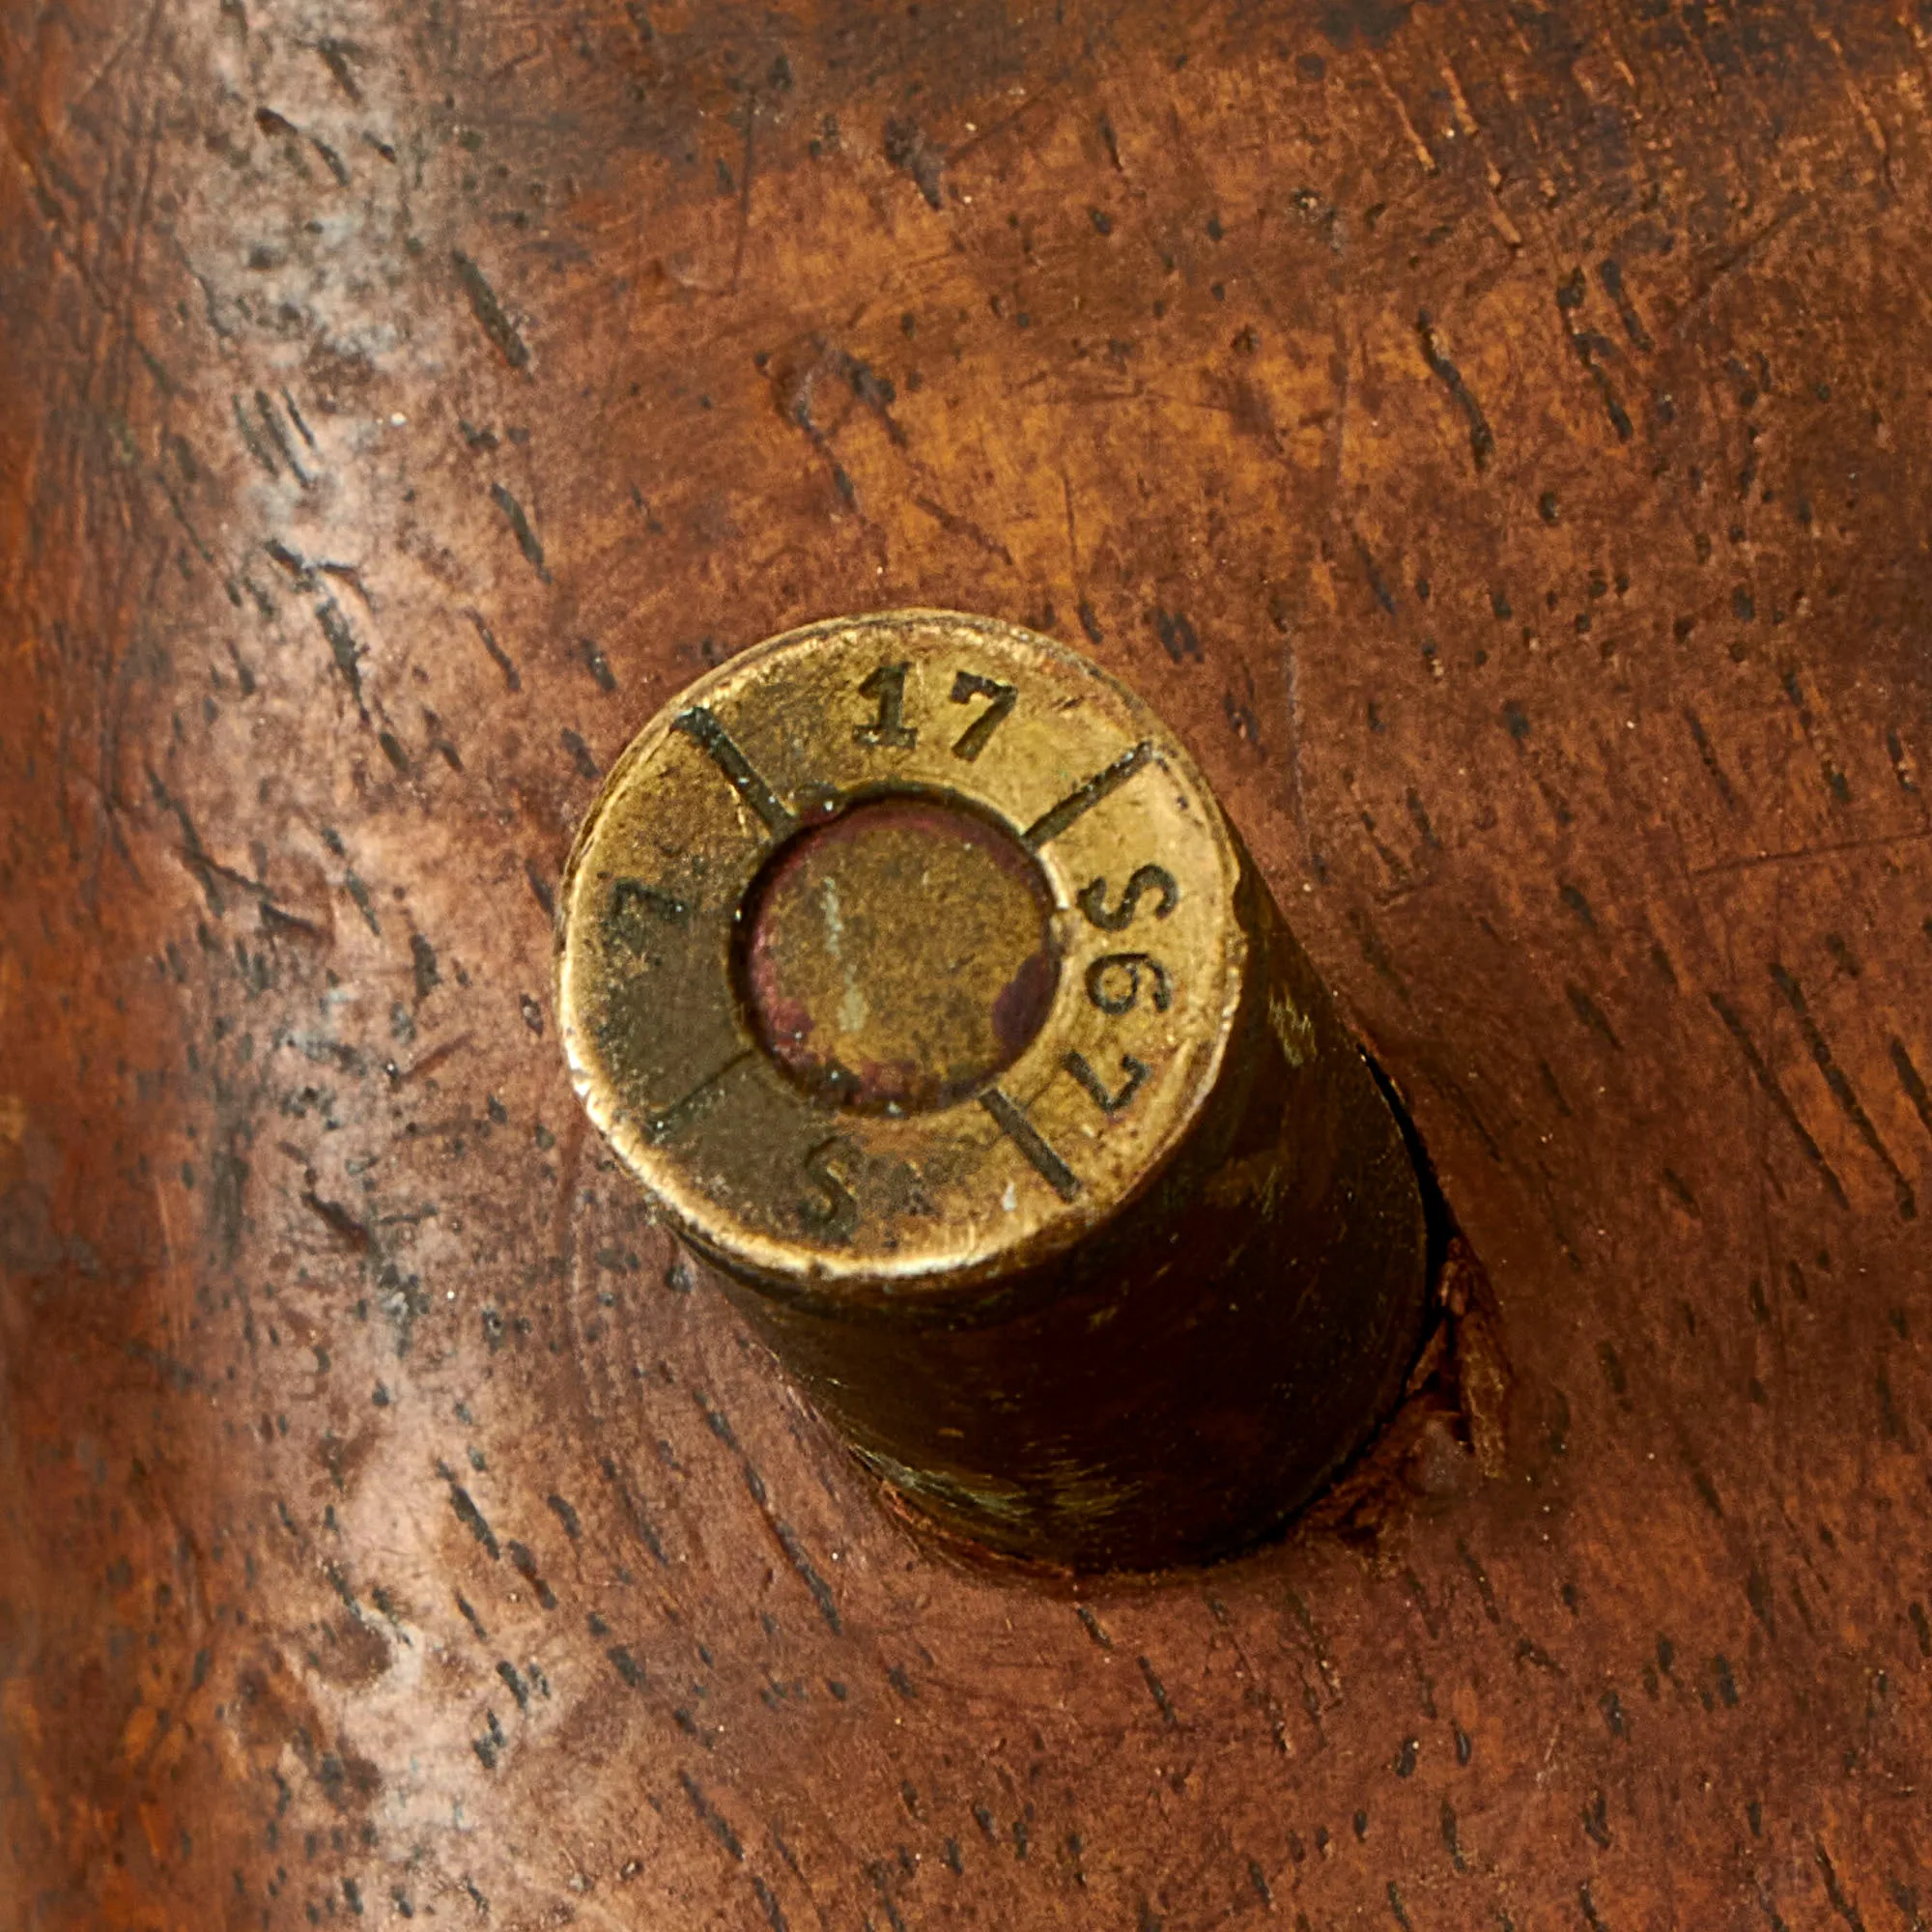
1494,437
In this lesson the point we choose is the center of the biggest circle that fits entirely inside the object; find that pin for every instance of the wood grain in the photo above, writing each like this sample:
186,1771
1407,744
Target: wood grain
1493,435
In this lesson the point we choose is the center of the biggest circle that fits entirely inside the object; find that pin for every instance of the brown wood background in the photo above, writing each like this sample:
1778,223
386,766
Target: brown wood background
1497,435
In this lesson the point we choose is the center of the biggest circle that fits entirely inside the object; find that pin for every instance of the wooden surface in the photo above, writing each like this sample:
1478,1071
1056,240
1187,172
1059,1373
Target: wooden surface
1496,438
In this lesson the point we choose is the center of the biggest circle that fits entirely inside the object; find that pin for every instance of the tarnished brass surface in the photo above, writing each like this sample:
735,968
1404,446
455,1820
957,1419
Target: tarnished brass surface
657,905
911,966
902,955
